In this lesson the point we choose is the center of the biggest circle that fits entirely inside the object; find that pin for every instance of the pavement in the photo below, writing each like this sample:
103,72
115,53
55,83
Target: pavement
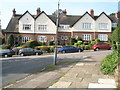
84,74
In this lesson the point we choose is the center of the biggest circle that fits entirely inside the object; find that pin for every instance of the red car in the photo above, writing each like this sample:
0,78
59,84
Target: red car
101,45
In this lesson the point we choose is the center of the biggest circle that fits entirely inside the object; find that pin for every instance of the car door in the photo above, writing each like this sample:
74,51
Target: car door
105,46
30,51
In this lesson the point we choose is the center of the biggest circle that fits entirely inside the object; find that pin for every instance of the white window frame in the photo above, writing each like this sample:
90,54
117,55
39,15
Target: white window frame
27,26
103,25
42,27
103,37
87,25
86,37
52,38
114,25
64,37
25,39
64,26
76,36
42,38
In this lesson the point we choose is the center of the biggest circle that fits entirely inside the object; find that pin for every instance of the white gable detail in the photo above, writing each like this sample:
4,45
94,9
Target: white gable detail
85,19
103,19
43,20
27,19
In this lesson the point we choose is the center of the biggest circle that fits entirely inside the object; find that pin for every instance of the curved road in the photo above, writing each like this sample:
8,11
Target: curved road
15,68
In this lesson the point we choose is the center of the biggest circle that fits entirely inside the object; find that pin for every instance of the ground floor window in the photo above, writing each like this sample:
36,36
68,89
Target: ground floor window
64,37
42,38
52,38
103,37
25,39
86,37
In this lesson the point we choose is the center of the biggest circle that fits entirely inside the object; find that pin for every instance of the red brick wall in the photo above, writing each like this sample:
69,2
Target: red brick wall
68,34
79,34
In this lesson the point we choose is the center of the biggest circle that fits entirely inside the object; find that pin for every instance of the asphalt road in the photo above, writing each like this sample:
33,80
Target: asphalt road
15,68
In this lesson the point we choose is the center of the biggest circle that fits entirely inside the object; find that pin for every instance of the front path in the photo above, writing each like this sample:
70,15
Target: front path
85,73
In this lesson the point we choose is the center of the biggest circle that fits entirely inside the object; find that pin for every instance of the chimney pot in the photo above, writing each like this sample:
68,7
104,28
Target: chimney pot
92,12
65,12
14,12
38,11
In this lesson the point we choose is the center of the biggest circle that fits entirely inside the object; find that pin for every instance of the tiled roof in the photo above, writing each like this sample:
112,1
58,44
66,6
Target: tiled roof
66,20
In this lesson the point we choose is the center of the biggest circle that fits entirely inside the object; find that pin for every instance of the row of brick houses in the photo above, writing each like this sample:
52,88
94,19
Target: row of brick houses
42,27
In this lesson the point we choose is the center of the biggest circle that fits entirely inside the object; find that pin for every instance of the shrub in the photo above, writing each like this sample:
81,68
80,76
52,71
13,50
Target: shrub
4,46
31,44
97,40
79,42
51,43
82,46
85,43
51,49
10,40
109,64
87,47
75,44
72,41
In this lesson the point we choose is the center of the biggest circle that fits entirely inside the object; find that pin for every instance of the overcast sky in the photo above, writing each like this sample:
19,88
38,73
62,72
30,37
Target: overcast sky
73,7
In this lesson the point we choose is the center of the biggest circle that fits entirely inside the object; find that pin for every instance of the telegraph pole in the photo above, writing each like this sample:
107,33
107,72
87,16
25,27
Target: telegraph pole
56,40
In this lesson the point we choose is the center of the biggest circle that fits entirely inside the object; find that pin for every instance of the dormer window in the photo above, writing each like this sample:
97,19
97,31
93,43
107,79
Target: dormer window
64,26
26,26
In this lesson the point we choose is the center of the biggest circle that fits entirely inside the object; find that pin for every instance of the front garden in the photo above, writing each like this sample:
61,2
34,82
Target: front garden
110,62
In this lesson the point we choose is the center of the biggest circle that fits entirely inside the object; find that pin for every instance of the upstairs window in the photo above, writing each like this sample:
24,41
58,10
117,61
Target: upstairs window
64,26
87,25
114,25
26,26
42,27
103,25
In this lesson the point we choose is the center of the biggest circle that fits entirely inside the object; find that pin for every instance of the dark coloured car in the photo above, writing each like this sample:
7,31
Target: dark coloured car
99,46
69,49
6,53
29,51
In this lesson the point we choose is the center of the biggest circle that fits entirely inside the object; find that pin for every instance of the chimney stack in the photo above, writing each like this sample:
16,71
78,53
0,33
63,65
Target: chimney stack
14,12
65,12
116,15
38,11
92,12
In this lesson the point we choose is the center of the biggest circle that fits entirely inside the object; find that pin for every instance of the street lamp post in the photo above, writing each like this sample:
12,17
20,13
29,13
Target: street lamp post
56,40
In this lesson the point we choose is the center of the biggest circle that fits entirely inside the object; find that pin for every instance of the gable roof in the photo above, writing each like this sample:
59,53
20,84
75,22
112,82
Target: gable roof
105,15
63,19
49,16
82,17
24,14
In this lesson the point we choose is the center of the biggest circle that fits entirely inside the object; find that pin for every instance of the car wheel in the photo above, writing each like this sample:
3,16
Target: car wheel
96,49
21,54
36,54
110,48
6,55
63,51
79,50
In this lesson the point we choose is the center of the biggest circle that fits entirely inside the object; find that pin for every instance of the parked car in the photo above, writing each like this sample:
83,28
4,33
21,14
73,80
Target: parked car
6,53
101,45
68,49
29,51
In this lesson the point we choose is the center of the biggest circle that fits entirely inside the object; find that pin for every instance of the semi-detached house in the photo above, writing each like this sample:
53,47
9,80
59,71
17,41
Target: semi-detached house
42,27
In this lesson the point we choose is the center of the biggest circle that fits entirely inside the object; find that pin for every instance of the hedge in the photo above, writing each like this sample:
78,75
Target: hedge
109,64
